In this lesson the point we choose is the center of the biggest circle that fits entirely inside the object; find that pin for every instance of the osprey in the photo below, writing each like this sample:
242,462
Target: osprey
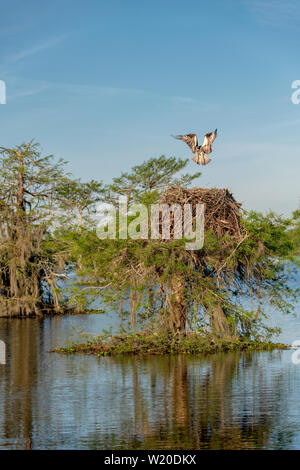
191,139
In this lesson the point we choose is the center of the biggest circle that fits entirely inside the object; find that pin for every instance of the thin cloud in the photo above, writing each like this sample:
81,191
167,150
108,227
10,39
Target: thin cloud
134,92
32,87
35,49
106,91
276,13
30,92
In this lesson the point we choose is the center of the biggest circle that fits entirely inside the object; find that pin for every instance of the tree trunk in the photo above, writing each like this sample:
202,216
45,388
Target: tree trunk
20,195
218,321
135,298
178,306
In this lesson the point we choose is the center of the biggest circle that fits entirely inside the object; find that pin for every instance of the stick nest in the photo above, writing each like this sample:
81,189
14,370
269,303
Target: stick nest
222,213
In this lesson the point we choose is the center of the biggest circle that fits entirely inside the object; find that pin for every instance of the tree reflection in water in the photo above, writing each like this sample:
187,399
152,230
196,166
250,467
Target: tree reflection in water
224,401
218,402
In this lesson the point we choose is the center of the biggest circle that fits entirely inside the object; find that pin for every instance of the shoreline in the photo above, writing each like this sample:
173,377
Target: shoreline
51,314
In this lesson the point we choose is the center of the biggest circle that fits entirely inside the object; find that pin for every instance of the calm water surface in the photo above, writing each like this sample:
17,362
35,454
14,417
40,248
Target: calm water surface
222,401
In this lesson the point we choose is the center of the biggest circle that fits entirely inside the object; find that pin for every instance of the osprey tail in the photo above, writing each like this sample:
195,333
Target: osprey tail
201,159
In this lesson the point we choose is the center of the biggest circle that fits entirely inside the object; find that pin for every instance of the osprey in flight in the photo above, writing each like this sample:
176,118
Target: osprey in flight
191,139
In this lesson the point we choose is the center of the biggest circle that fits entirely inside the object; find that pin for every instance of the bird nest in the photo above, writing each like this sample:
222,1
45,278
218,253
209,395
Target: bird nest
222,214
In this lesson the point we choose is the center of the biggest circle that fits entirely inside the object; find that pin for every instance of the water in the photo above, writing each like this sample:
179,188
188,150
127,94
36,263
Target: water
221,401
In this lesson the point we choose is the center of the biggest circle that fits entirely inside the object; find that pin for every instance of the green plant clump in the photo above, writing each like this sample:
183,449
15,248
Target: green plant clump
158,343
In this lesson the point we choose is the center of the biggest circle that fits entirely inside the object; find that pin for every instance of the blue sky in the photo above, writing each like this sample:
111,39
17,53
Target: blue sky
103,84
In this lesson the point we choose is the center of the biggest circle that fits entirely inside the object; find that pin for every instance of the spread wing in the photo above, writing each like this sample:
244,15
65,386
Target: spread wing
190,139
208,140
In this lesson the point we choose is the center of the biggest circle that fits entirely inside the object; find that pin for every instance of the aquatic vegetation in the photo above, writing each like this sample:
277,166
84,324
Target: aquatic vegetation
158,343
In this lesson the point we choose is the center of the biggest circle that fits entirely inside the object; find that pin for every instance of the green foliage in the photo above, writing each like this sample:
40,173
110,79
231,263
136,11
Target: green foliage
294,236
271,232
156,174
34,199
47,232
213,285
160,343
78,200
